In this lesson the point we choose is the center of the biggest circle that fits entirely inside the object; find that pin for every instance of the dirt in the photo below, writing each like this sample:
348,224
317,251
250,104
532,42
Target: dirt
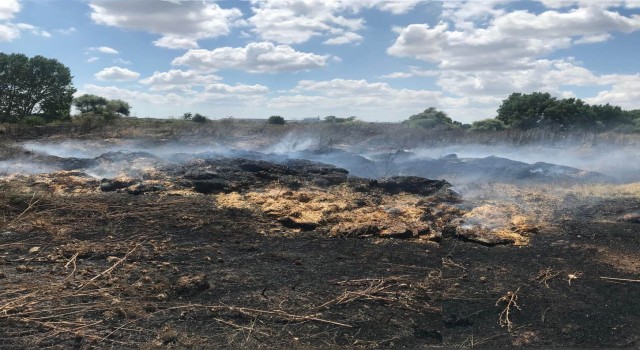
240,253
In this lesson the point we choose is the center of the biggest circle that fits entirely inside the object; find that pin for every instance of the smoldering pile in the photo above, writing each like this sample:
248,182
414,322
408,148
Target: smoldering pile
330,191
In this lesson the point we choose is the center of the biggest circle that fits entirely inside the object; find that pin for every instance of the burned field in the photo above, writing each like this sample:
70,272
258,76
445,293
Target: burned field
241,249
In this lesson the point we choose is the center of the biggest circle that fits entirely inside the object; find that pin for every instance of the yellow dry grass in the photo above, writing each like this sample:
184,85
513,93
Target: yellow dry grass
503,220
340,211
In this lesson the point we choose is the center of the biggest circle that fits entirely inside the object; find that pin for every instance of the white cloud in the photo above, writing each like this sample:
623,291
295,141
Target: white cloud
509,40
117,74
218,88
351,96
92,59
180,23
346,38
67,31
264,57
297,21
178,80
8,32
592,39
413,72
8,9
625,92
104,49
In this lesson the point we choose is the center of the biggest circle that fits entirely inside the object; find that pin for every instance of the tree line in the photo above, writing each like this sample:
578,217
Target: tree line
41,88
539,110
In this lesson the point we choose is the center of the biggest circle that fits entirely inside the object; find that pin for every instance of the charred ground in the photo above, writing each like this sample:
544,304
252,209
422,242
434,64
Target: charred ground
245,250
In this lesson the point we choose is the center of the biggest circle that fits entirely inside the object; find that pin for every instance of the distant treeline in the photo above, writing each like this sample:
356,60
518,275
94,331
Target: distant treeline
540,110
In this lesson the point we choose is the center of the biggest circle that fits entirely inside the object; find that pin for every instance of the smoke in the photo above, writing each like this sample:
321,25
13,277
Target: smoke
472,164
10,167
292,142
622,163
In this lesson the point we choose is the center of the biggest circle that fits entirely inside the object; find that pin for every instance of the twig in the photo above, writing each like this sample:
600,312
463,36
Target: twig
504,319
71,261
545,276
619,279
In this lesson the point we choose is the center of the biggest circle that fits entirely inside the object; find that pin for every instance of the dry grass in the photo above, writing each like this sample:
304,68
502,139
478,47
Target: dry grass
340,211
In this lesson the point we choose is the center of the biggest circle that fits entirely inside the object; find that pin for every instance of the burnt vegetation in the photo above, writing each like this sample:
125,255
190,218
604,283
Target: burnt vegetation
122,232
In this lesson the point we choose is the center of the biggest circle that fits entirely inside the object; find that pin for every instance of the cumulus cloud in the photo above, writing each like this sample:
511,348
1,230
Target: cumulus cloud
117,74
297,21
263,57
8,9
180,23
510,39
176,79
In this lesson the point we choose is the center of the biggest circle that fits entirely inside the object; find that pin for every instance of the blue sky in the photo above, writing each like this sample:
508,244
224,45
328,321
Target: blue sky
380,60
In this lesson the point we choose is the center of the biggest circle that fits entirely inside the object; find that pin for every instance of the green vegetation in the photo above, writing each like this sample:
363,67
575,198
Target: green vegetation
336,120
100,107
432,118
276,120
541,110
490,124
34,86
197,118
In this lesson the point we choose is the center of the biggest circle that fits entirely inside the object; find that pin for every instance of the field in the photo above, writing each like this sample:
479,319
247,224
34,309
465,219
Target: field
244,249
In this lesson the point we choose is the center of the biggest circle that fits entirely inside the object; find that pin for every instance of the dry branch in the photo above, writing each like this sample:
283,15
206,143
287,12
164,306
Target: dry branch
510,299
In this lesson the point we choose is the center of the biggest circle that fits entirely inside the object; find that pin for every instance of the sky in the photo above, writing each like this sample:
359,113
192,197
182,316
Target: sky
379,60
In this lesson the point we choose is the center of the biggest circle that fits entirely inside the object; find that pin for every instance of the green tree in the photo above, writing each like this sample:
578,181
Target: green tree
490,124
36,85
90,103
199,118
276,120
431,118
118,107
99,106
524,111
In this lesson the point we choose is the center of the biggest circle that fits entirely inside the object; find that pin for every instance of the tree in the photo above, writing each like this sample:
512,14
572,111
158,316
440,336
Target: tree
119,107
276,120
101,107
524,111
431,118
90,103
36,85
199,118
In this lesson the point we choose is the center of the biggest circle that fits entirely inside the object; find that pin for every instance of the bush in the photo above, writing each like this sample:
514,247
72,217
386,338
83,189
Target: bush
34,120
199,118
276,120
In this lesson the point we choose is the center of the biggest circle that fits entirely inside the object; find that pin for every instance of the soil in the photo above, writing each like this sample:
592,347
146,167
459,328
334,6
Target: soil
240,253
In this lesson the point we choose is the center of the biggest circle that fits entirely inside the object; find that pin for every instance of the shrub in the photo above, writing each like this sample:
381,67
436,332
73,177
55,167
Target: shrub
34,120
276,120
199,118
